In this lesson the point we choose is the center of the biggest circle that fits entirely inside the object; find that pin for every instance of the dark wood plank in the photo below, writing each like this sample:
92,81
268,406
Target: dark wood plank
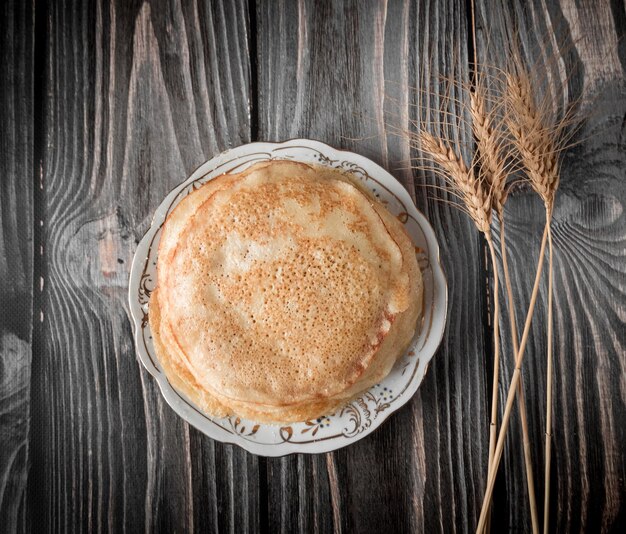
323,68
136,96
16,255
589,465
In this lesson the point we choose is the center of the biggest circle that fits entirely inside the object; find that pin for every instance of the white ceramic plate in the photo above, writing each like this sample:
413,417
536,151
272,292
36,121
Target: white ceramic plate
366,413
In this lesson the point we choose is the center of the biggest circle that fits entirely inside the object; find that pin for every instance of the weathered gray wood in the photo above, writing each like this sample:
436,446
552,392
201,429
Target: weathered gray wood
322,73
16,255
123,99
588,494
135,97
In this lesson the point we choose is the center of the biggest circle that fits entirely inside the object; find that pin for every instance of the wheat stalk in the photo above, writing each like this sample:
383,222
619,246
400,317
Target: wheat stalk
493,158
512,132
520,392
481,188
548,444
539,155
478,202
538,152
515,379
491,168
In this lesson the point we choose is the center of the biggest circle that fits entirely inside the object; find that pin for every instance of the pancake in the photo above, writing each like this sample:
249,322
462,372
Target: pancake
282,292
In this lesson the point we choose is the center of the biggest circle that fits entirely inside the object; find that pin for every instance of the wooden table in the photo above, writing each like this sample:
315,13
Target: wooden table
106,106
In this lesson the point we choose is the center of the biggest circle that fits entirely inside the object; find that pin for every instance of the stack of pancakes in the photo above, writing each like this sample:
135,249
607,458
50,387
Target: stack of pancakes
282,293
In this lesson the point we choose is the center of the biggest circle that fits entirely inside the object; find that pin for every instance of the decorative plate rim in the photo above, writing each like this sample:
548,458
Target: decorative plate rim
247,153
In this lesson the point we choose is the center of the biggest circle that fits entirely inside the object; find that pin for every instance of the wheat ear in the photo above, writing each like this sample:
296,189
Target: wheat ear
493,164
534,141
460,178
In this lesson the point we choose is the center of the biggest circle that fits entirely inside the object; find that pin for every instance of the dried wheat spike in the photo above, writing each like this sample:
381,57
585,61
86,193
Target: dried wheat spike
461,178
534,141
489,143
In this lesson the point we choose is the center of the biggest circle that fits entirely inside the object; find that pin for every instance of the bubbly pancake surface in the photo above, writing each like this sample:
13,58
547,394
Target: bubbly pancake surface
279,287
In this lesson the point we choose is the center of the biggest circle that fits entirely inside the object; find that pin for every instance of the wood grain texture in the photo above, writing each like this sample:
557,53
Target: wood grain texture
16,254
323,68
136,96
582,41
105,106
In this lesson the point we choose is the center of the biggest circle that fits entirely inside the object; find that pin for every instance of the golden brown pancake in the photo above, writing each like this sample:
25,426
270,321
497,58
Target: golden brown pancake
282,292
